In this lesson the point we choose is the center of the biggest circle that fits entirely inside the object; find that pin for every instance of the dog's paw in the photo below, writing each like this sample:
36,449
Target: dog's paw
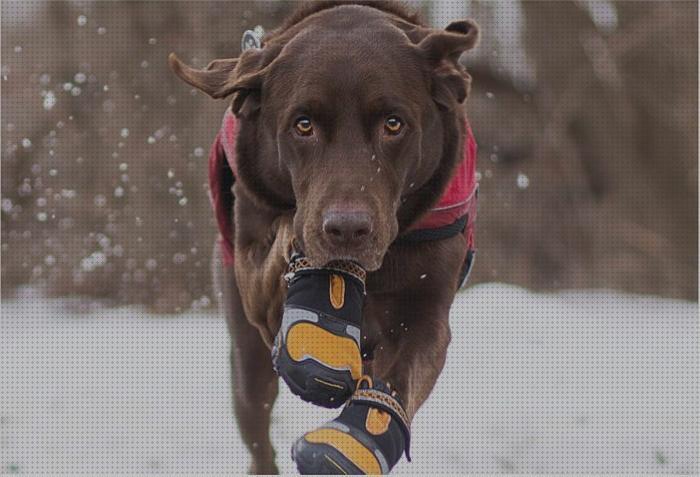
368,437
317,349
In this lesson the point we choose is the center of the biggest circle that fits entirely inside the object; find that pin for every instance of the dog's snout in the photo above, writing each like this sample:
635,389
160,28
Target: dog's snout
347,227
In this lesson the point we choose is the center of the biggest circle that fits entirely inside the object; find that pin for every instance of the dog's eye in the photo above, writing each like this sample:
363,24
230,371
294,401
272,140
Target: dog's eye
303,126
393,125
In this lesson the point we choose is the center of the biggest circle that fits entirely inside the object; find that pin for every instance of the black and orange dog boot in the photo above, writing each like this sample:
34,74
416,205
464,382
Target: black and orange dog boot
368,437
317,349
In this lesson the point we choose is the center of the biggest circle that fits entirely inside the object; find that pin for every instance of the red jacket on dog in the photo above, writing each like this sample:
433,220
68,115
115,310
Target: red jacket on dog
454,213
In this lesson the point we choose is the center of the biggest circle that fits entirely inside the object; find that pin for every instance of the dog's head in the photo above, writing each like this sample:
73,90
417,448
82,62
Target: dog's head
351,115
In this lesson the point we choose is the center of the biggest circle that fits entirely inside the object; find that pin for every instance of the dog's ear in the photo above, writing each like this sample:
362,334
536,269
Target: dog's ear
442,49
215,79
221,78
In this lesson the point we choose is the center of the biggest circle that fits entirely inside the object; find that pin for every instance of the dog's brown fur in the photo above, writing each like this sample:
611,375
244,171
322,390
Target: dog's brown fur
347,66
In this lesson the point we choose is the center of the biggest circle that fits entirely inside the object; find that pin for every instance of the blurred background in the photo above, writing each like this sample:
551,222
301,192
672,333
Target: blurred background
574,350
585,113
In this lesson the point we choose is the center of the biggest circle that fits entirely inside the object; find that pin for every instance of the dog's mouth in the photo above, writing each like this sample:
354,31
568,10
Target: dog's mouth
369,261
320,253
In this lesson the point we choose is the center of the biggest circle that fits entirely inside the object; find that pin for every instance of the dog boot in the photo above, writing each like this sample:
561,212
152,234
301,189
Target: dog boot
368,437
317,349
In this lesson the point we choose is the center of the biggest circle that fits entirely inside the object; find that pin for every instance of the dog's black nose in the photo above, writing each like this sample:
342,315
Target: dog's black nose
347,227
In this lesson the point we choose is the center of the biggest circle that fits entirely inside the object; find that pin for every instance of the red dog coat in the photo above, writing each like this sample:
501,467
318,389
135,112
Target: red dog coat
454,213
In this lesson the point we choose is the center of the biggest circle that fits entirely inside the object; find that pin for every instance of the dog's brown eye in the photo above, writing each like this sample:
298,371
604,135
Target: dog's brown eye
393,125
303,126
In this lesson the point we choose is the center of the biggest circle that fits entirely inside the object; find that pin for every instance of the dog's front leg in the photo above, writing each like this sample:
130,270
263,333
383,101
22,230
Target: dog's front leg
412,353
408,360
263,240
406,323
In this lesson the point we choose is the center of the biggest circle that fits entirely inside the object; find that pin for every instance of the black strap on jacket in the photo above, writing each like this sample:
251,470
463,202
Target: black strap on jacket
446,231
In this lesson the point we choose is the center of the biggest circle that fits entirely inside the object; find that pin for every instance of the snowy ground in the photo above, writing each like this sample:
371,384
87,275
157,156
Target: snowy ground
575,382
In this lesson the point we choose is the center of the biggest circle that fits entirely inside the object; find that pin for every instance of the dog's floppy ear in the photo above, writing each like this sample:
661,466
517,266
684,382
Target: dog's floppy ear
215,79
221,78
442,49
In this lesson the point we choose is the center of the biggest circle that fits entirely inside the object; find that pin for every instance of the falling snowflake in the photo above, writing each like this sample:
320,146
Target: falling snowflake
49,100
104,241
82,20
523,181
25,189
95,260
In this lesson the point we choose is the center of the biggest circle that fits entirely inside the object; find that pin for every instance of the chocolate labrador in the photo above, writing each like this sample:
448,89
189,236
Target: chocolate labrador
346,138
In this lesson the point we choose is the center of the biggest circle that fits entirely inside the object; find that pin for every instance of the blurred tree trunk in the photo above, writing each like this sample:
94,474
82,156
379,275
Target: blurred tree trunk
613,179
659,63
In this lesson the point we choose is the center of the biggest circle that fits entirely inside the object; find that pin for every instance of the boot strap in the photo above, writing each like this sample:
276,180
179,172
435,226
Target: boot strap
299,263
387,403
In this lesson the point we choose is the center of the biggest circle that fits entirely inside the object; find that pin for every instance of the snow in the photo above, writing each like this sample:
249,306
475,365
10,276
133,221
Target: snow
570,382
522,181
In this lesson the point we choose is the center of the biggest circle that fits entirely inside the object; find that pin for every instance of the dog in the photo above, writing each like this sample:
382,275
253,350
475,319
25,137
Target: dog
347,138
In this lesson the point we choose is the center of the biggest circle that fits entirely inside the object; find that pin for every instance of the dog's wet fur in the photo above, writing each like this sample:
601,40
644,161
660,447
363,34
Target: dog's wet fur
351,71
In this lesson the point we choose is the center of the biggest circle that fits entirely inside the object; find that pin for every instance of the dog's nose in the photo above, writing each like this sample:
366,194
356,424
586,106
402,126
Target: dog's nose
347,227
